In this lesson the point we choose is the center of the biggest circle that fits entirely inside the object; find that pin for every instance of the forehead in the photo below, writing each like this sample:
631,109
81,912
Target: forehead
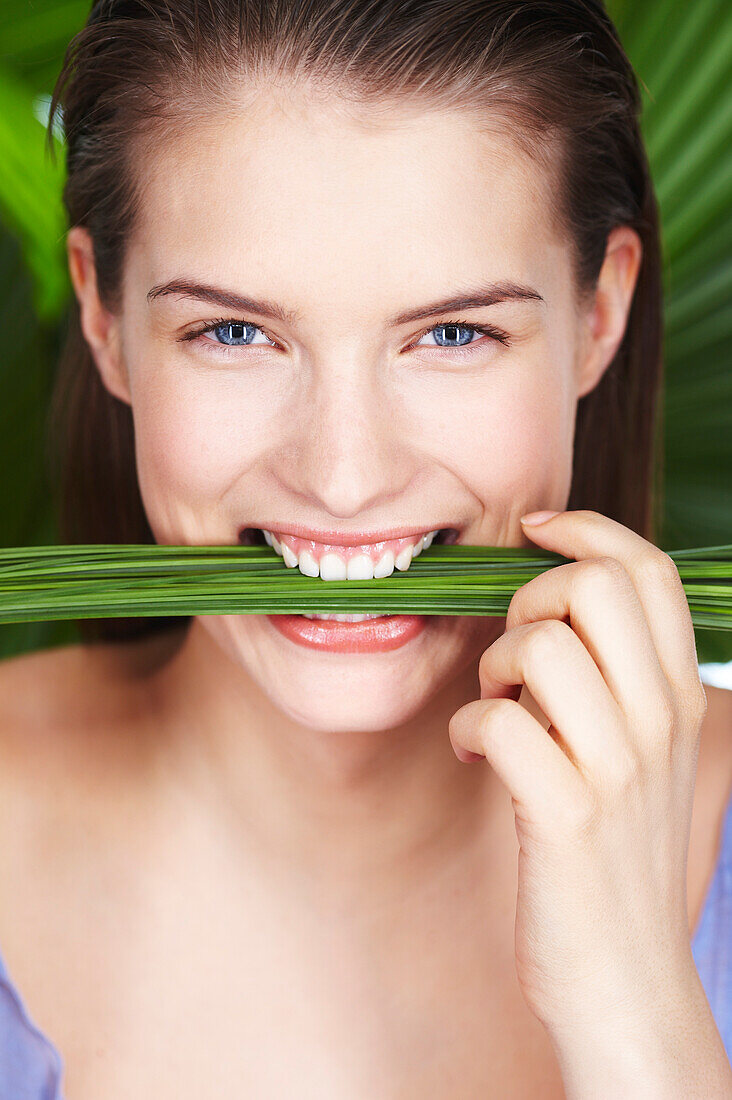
291,192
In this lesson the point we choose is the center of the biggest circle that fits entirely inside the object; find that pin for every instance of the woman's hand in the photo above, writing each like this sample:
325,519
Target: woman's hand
603,801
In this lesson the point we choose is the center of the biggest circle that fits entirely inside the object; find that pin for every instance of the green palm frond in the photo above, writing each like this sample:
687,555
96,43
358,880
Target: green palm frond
30,194
102,581
34,35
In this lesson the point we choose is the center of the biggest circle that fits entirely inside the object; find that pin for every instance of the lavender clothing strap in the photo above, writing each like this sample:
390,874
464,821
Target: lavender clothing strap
31,1067
711,944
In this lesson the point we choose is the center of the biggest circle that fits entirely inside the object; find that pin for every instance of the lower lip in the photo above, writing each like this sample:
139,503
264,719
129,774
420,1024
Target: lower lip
369,636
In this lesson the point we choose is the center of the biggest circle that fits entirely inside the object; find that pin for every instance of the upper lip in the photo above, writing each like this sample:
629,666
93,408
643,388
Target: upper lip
350,538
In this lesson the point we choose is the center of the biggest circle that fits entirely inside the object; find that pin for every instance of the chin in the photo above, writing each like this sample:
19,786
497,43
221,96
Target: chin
359,709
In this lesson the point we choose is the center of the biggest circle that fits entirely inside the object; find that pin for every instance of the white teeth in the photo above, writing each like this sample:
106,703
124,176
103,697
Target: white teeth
332,568
385,565
404,558
343,618
289,556
360,568
307,564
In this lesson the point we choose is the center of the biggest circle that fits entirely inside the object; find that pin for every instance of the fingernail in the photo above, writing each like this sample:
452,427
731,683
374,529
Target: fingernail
468,757
534,518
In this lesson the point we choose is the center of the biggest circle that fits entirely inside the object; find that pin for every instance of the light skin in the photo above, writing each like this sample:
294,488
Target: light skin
334,418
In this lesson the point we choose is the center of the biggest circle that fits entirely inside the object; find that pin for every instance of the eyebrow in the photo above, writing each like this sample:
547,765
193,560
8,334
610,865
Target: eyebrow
488,295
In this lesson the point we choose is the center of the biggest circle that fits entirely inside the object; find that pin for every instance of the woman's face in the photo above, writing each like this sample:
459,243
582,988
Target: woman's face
338,413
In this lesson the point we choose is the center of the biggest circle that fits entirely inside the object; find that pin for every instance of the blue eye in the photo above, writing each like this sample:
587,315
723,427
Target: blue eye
459,334
233,334
455,334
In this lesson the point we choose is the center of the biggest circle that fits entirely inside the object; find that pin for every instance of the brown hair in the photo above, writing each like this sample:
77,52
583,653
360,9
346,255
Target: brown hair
140,70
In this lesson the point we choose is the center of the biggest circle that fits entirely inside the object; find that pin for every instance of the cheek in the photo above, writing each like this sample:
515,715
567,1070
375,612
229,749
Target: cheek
510,435
194,439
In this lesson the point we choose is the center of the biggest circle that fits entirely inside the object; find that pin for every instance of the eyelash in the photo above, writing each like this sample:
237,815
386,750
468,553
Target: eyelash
496,334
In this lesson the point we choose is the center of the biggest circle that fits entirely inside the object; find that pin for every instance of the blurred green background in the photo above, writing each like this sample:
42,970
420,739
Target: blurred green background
681,52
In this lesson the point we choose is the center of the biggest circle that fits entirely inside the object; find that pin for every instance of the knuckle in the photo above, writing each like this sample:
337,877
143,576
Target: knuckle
658,567
602,573
495,715
697,704
501,710
586,517
543,638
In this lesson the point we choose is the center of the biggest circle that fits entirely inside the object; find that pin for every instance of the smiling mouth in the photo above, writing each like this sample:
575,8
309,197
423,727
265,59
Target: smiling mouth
335,561
338,562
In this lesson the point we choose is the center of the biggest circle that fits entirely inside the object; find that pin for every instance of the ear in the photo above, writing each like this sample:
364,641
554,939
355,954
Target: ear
99,327
607,316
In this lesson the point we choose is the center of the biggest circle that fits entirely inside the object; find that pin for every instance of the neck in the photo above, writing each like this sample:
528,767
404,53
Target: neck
344,806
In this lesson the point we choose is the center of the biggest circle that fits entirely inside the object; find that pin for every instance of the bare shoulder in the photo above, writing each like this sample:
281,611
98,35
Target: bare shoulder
37,695
35,688
64,708
49,690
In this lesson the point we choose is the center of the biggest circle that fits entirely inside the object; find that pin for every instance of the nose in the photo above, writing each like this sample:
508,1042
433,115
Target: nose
350,451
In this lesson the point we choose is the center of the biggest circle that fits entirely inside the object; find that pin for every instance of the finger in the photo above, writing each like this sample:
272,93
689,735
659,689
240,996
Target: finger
561,675
600,602
586,534
534,769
